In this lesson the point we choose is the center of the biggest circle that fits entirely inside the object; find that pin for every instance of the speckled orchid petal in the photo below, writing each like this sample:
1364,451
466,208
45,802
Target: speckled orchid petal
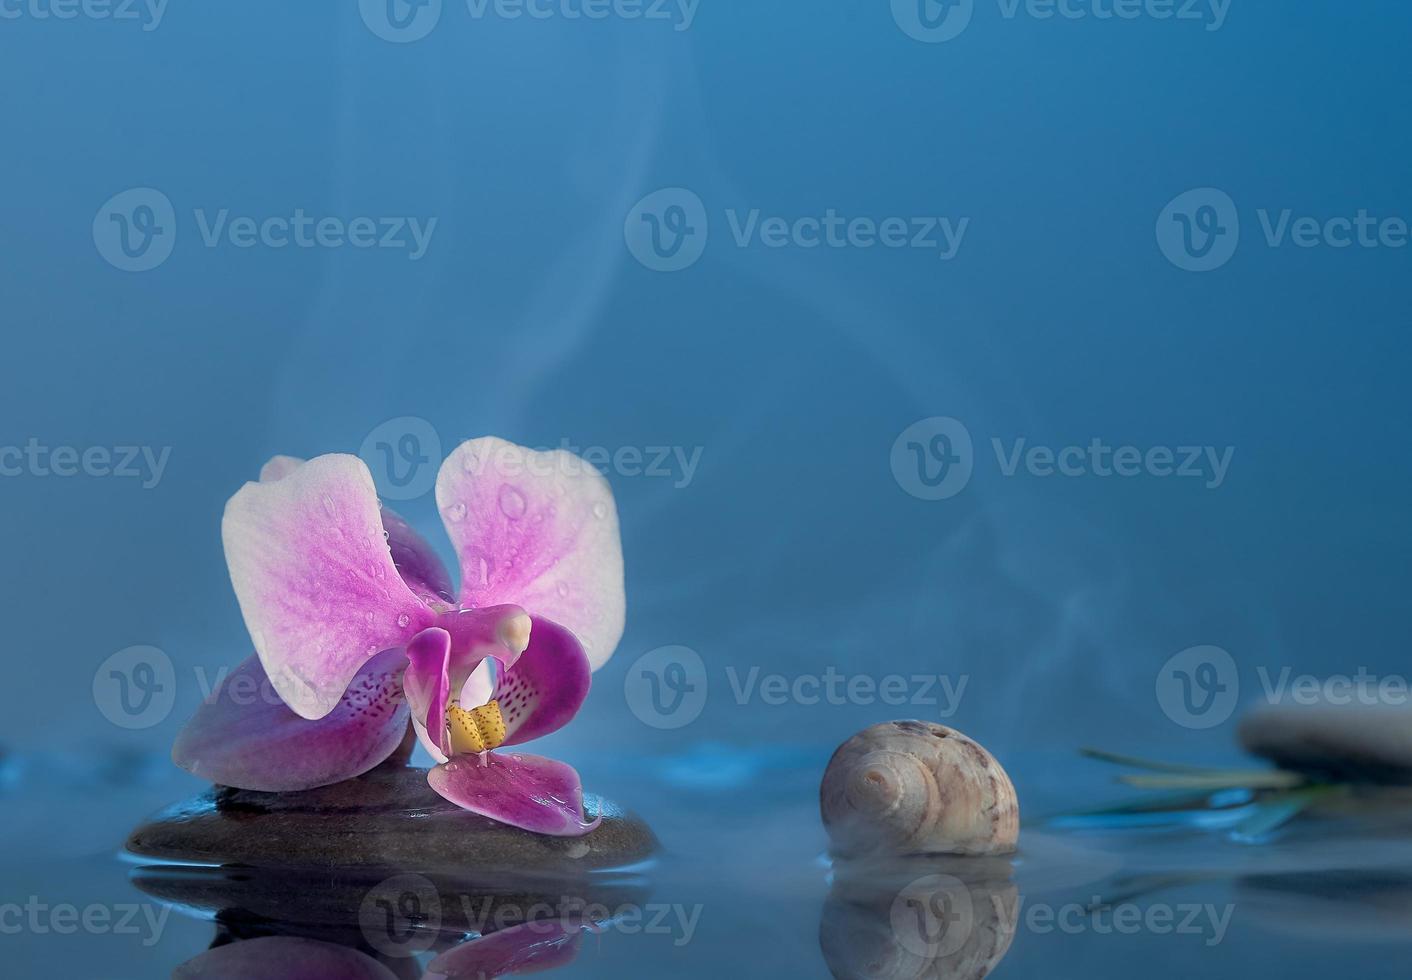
416,562
539,529
543,944
242,735
443,658
547,685
282,958
515,788
315,579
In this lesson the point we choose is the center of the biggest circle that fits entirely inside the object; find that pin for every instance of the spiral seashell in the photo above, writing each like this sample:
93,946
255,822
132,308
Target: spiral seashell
914,787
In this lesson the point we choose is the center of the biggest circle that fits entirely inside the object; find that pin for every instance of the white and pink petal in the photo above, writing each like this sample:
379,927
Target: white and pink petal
315,579
539,529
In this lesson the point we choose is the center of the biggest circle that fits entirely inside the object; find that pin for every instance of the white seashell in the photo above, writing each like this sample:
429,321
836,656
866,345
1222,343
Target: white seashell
915,787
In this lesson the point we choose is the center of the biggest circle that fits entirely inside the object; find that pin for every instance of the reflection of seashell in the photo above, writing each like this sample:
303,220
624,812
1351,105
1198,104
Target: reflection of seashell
912,787
952,919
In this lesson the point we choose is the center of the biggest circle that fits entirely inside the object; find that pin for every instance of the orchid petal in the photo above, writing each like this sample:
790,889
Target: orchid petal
539,529
315,579
282,958
529,947
515,788
546,686
443,658
428,686
279,467
416,562
244,736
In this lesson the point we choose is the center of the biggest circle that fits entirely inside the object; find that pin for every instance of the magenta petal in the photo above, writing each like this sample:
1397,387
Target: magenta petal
428,686
526,948
282,958
315,579
516,788
244,736
546,686
539,529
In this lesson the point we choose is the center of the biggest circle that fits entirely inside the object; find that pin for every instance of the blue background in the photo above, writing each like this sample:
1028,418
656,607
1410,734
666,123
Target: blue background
793,548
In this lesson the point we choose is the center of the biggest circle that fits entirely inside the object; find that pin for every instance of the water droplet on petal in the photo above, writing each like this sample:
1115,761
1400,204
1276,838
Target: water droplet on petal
403,620
456,512
329,508
563,588
512,502
600,510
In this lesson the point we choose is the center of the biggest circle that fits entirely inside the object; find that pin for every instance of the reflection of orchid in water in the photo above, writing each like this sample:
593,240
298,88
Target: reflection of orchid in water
530,947
349,609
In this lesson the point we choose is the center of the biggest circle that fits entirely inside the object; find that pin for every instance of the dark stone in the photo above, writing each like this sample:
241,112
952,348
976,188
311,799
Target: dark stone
1347,743
389,818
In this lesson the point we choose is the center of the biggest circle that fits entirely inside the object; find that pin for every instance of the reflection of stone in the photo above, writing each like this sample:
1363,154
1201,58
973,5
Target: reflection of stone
1354,742
283,958
1330,905
520,949
387,818
336,905
938,917
361,923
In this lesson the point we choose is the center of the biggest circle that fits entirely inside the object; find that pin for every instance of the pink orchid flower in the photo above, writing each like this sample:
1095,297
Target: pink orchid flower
356,628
